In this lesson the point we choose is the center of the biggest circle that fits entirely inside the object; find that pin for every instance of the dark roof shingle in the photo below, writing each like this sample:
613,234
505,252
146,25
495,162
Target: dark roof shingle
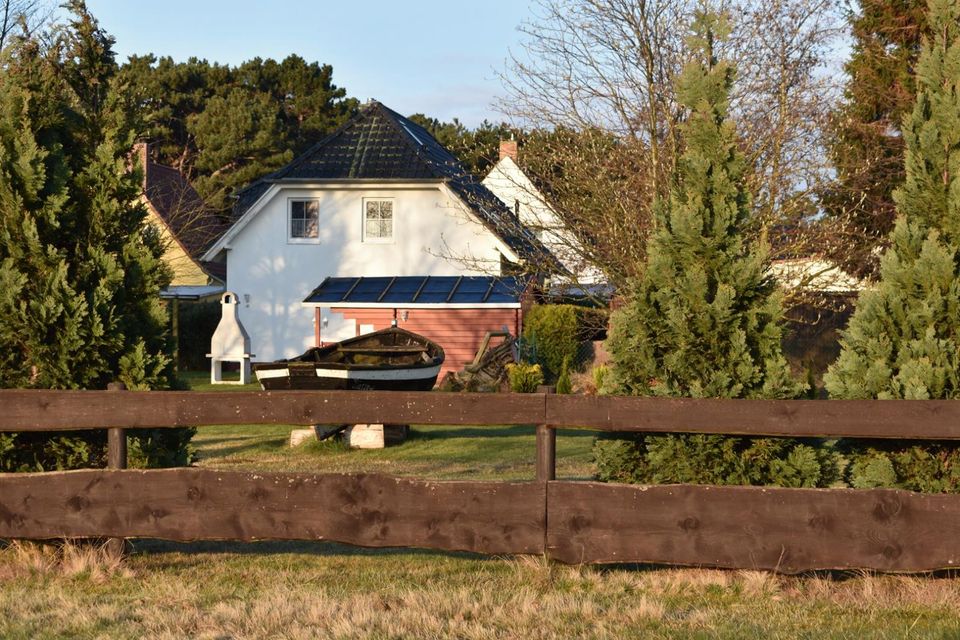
189,219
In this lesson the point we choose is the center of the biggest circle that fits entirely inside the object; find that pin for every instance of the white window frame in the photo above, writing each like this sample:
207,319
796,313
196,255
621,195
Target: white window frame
393,222
292,239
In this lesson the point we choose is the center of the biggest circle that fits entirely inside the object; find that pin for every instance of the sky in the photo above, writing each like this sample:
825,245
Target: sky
430,56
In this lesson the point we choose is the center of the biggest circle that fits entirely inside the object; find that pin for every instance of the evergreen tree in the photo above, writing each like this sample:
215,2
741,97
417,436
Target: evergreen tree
903,340
80,274
223,126
703,319
867,147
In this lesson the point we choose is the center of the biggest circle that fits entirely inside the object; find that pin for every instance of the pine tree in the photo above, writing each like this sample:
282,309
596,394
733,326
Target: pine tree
903,340
703,319
867,146
80,274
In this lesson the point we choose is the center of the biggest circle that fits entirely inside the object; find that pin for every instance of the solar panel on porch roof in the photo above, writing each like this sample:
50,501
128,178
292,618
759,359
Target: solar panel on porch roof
392,291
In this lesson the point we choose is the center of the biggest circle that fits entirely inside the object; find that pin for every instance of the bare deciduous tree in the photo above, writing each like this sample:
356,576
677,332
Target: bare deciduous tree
21,14
596,78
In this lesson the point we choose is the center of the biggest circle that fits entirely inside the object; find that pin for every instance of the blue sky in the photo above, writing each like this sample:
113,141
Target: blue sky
431,56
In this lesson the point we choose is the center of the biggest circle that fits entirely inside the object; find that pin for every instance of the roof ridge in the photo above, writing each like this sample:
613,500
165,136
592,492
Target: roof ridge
395,119
296,162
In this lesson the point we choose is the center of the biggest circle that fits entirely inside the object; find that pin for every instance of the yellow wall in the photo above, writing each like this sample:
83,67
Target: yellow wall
185,269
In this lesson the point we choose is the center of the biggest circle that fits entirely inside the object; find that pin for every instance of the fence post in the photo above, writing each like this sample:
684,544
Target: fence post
116,459
546,446
116,438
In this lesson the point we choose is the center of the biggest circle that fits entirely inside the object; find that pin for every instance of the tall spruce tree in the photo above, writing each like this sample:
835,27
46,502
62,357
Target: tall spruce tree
703,320
80,274
867,145
903,340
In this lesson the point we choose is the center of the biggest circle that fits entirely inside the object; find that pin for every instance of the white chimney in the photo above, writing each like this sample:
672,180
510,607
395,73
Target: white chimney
230,342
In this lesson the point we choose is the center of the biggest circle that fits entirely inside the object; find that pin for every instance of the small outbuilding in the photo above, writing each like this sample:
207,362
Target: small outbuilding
456,312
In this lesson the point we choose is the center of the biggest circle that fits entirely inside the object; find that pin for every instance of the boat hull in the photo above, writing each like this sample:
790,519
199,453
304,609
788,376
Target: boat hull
390,359
272,377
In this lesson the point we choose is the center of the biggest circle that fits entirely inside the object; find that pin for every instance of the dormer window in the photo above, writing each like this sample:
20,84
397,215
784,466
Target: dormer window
377,220
304,219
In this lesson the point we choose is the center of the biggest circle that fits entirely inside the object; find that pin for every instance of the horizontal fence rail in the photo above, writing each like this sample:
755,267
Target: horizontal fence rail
787,530
202,504
41,410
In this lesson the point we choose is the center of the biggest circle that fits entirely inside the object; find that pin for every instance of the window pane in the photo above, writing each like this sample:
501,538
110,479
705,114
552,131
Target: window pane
296,210
373,228
386,228
386,208
373,208
304,218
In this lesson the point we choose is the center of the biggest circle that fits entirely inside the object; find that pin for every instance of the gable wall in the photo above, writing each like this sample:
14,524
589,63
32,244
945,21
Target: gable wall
511,185
185,269
432,234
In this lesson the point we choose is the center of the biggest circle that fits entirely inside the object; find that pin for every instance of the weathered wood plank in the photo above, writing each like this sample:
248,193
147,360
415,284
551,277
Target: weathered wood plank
35,410
201,504
788,530
933,419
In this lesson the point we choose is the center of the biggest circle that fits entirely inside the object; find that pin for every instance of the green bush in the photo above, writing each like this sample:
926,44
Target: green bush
599,374
928,467
524,378
564,384
64,451
718,460
932,467
198,321
554,332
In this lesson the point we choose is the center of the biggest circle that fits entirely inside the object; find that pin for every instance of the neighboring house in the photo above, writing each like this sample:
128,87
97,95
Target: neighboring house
380,199
814,275
518,192
187,228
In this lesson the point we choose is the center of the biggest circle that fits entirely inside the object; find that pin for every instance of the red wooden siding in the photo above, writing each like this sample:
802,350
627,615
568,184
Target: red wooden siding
459,331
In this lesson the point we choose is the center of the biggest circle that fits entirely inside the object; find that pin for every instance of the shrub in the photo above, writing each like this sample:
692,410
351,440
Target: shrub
916,466
160,448
554,332
64,451
198,321
599,374
524,378
564,385
719,460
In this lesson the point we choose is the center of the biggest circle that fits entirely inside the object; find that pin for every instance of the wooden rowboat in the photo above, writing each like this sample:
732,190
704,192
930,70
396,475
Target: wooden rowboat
390,359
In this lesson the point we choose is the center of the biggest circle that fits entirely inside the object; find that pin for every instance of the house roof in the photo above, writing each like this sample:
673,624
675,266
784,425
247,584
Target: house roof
455,291
194,225
379,144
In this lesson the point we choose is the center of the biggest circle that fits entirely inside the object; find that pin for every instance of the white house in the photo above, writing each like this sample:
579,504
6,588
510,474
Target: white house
379,197
517,191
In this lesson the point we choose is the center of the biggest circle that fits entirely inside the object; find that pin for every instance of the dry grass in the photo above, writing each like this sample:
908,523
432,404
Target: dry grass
312,590
97,561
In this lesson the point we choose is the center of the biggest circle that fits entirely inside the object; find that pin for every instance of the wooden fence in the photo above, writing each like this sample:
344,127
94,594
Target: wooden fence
788,530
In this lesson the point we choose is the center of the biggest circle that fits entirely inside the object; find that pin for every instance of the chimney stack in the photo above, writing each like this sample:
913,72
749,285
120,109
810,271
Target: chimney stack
508,148
141,154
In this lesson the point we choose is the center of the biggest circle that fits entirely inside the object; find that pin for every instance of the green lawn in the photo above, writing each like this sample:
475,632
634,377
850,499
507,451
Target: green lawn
221,590
438,452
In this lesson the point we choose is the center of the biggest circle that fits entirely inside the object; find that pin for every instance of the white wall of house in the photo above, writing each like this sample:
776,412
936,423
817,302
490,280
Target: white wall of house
511,185
433,234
